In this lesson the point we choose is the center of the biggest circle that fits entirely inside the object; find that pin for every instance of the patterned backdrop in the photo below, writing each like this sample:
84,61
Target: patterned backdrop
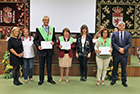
13,13
110,12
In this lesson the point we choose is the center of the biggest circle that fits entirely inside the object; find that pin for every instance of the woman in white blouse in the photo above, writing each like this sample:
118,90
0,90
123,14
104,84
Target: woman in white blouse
28,55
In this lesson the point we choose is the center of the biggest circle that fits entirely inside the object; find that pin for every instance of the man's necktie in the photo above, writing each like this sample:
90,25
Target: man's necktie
121,38
46,29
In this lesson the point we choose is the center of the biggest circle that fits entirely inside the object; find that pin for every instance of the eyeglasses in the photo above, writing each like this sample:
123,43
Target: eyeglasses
46,19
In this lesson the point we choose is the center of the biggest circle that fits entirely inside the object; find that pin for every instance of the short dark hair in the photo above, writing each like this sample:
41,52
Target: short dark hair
83,27
105,29
66,30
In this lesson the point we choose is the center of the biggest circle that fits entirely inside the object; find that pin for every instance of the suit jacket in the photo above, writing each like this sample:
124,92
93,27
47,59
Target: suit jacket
116,44
37,41
88,46
62,52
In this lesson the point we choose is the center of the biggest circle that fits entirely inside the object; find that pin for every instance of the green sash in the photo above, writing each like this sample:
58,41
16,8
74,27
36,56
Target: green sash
62,40
102,44
44,34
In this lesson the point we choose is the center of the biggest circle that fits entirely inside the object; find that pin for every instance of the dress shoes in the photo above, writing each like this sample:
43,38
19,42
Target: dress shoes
113,82
124,84
40,82
51,81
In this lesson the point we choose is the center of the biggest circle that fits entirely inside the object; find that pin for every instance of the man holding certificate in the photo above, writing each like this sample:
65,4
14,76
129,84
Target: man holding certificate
45,40
65,45
103,53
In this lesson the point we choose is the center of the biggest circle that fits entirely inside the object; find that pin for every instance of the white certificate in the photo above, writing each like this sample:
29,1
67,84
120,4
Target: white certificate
46,44
94,40
104,50
65,45
74,40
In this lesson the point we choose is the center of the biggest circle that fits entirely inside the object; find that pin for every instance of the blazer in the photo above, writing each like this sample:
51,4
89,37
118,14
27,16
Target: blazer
88,46
116,44
62,52
37,41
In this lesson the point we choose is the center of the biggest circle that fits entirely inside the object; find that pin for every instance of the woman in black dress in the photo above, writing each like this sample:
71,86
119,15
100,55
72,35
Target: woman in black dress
16,51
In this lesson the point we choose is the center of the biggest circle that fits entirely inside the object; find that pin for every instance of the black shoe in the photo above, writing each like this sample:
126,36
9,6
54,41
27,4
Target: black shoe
40,82
20,82
51,81
124,84
81,79
16,83
84,79
113,82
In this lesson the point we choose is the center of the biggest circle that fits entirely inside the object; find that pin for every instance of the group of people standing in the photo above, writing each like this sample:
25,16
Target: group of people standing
22,52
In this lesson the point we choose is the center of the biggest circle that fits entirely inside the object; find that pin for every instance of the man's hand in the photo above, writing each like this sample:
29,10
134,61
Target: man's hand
39,47
121,50
52,43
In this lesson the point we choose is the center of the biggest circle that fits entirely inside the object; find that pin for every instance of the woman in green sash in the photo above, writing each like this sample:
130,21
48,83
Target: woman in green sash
103,59
65,55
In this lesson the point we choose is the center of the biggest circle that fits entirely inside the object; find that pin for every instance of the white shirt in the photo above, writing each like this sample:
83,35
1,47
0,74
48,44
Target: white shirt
83,42
28,47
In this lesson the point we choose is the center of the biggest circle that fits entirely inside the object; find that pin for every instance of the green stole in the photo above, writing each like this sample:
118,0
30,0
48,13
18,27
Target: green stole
46,37
102,44
62,40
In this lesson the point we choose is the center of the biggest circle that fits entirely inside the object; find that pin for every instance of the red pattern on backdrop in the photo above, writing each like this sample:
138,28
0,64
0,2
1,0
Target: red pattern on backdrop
13,14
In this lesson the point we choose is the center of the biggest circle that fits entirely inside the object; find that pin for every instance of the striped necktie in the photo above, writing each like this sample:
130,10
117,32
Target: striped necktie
46,29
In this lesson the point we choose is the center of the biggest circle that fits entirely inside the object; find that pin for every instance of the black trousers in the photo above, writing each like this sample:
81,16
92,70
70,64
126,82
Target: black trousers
116,61
42,66
83,66
15,72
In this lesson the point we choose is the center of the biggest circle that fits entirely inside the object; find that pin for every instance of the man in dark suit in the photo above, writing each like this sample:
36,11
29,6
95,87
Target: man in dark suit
45,33
121,42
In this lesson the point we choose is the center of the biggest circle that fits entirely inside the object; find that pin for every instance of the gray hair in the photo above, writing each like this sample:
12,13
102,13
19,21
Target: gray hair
121,22
46,16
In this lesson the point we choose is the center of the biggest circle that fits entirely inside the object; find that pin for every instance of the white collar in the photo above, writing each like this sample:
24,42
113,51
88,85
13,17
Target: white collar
45,26
121,31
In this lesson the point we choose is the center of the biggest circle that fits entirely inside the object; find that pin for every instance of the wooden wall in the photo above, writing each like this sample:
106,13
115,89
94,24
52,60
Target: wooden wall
135,45
131,71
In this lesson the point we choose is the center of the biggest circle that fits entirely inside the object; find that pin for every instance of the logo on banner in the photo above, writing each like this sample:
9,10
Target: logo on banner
7,15
117,16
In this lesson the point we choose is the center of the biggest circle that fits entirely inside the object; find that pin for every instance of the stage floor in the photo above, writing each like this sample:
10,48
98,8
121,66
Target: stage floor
75,86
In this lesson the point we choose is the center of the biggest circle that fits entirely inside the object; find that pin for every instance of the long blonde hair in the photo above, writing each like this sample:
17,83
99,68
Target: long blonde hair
12,32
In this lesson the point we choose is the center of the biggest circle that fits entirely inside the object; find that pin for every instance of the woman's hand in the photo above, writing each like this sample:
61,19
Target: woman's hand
98,51
39,47
77,55
110,51
89,55
60,46
20,55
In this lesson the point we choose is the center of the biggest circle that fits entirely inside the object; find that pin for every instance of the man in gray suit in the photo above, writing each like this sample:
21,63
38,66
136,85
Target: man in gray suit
121,42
